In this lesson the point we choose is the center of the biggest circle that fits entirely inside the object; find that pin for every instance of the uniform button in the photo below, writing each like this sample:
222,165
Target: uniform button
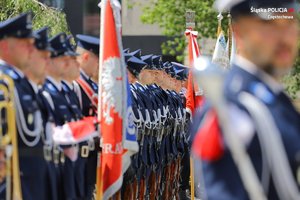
30,118
298,175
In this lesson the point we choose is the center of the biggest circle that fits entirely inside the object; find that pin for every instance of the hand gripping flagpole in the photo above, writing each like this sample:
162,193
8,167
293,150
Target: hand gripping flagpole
210,78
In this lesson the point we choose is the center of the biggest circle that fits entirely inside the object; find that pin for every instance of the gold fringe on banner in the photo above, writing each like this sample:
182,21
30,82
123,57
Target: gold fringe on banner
229,35
219,17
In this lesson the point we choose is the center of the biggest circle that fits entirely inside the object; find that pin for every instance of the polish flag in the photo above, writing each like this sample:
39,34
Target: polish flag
118,140
193,95
75,132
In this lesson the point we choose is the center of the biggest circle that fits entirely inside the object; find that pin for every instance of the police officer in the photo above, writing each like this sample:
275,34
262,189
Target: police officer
88,50
64,156
147,75
41,55
156,168
16,49
134,67
267,48
87,92
179,80
36,74
70,75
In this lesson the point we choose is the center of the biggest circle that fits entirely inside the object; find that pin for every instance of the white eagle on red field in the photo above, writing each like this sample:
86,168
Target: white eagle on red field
112,87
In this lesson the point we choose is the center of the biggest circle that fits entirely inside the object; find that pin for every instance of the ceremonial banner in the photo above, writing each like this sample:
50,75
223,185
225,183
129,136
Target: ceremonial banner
233,49
193,94
118,140
220,56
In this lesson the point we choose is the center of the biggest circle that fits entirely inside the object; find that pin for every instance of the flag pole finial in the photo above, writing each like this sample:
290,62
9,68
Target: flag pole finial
190,19
220,17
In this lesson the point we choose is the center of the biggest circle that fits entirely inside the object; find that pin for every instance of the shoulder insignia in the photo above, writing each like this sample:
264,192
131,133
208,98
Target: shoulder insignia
95,87
236,83
12,74
51,87
262,92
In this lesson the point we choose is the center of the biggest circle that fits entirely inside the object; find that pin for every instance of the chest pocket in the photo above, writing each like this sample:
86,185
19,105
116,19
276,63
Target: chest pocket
76,111
64,113
29,107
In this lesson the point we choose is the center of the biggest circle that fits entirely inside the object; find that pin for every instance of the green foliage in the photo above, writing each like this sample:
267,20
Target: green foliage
292,81
43,15
170,16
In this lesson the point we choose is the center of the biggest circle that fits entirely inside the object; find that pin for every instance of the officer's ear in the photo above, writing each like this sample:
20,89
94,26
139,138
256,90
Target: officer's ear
4,48
85,56
3,45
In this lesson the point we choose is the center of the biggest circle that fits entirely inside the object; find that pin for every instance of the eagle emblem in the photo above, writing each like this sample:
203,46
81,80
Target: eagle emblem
112,87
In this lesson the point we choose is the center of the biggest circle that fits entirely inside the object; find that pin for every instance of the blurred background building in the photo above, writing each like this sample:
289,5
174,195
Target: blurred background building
83,16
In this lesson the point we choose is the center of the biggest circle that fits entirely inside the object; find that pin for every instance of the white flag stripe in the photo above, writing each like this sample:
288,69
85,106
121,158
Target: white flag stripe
63,135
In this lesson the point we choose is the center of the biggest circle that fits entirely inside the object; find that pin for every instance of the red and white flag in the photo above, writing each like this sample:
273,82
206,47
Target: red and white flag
193,95
75,132
113,110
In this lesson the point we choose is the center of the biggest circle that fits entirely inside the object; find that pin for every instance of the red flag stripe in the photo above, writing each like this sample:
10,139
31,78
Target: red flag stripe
88,91
110,114
208,144
192,100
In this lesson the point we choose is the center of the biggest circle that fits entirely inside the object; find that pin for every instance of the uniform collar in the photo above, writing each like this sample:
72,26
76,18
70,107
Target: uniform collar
34,86
16,70
55,83
251,68
84,74
70,85
92,83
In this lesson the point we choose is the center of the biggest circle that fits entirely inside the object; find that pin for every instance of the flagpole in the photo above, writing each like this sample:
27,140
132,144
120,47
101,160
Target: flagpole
190,24
192,178
99,184
99,181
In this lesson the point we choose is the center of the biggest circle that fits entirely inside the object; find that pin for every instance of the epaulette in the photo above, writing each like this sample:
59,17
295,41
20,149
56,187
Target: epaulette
51,87
263,93
12,74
